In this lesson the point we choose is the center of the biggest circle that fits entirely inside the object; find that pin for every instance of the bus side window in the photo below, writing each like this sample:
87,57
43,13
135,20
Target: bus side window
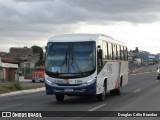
109,51
122,53
118,52
125,53
114,56
104,48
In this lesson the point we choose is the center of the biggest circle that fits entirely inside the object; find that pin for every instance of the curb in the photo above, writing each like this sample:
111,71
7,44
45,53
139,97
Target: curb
23,92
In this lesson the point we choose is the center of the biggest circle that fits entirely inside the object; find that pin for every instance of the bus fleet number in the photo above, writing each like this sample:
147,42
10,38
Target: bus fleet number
78,81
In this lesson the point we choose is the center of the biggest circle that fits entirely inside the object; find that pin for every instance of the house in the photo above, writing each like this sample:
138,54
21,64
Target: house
24,57
151,59
8,71
157,58
2,54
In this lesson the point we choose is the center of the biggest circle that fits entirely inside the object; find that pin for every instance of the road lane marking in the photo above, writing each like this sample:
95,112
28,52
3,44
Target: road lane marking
97,107
11,106
142,73
137,90
138,69
156,81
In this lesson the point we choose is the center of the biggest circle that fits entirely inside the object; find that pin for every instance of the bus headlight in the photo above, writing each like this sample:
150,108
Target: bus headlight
89,82
48,82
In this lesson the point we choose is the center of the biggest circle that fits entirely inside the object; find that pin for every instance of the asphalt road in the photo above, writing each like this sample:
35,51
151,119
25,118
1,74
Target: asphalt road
28,82
140,94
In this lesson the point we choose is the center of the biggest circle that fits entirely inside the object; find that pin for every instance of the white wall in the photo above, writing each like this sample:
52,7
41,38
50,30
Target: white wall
7,65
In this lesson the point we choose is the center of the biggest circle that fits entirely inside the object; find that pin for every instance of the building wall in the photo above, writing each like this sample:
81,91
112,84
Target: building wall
2,77
21,51
0,62
8,72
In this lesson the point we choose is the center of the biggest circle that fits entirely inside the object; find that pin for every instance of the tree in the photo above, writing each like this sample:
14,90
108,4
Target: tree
40,62
137,50
37,49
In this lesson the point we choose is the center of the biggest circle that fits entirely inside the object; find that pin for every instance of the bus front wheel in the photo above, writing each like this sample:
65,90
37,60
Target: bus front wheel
59,98
102,96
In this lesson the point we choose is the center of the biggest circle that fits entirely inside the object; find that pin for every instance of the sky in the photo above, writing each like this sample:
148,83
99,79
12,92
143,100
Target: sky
33,22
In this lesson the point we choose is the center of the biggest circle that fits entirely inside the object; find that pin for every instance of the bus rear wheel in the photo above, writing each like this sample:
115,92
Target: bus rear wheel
59,98
113,92
119,90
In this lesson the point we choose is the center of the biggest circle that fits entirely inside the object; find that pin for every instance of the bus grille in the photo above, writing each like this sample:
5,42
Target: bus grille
68,84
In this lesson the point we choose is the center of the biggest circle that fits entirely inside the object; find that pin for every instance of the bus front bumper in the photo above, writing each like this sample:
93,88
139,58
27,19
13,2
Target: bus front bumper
83,89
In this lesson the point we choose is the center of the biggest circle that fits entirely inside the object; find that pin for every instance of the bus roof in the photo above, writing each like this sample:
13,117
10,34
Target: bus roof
84,37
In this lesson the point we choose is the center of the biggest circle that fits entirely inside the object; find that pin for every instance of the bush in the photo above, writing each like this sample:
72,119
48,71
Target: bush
6,87
17,86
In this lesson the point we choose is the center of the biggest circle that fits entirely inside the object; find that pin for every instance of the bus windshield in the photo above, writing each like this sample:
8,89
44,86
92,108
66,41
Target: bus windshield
70,58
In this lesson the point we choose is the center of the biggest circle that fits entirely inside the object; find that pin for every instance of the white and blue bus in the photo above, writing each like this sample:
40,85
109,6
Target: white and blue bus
85,64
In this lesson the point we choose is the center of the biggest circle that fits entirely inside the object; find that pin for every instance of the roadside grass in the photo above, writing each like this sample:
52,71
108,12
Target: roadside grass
8,87
16,86
32,86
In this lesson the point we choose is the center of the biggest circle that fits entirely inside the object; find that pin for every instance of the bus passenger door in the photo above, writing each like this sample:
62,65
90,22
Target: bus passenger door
99,59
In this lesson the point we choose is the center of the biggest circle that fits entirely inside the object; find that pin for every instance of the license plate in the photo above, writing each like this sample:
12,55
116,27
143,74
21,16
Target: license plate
68,90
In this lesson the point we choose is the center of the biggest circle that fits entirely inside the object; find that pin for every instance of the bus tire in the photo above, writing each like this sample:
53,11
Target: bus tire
113,92
33,81
102,96
59,98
